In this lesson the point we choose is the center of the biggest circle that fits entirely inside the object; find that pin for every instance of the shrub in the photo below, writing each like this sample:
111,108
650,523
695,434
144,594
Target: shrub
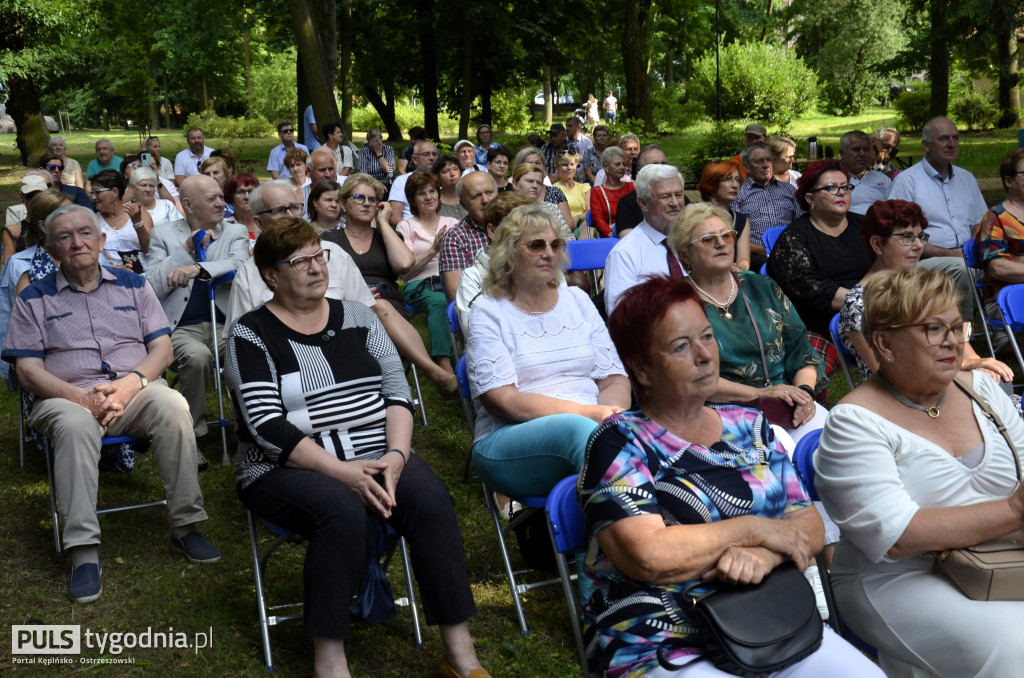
672,108
722,142
761,81
274,88
975,110
226,127
511,111
913,108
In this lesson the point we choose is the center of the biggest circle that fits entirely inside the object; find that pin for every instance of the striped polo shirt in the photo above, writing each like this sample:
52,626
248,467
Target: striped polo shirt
86,338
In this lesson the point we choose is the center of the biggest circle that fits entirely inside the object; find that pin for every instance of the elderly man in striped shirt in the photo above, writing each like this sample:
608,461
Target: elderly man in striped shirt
92,344
765,200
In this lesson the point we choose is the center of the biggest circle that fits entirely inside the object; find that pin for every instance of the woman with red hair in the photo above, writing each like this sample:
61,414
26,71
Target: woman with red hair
720,184
893,232
819,257
236,193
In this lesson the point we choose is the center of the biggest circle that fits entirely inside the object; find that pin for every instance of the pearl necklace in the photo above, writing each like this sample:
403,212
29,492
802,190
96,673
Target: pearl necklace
721,307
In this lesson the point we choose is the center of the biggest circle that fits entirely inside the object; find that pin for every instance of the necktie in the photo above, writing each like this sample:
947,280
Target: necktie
674,269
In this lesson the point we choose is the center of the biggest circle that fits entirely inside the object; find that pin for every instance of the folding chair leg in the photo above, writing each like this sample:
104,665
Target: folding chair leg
570,601
407,570
221,421
984,322
21,433
419,395
261,601
507,563
1013,343
58,543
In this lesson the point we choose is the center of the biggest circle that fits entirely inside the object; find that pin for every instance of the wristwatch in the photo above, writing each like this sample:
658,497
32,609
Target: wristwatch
145,382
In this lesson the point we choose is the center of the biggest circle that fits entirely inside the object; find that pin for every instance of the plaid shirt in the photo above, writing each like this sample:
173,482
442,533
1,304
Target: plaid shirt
551,153
767,206
460,245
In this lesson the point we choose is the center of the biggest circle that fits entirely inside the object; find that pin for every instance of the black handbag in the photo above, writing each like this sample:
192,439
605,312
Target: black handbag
754,630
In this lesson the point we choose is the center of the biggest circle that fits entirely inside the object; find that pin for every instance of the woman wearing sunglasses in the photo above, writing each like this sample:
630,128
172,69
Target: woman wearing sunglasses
324,448
755,325
370,240
820,256
542,369
893,231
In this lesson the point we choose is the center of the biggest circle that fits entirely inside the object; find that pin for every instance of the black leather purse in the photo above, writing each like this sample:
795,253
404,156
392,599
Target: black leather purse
754,630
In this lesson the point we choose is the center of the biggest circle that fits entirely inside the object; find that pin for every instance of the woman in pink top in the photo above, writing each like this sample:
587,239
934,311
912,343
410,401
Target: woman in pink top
423,290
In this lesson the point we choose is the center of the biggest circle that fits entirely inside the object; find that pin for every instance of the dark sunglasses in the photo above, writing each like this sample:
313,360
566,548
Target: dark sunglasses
59,168
537,246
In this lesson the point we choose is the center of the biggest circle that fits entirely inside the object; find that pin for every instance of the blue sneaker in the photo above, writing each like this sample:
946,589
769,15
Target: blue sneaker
196,548
85,584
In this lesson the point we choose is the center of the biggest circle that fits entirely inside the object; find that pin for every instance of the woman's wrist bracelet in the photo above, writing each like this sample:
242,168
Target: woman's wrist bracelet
402,454
808,389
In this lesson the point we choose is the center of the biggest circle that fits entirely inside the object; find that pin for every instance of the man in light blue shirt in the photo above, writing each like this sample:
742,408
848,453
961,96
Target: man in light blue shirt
870,185
950,199
309,131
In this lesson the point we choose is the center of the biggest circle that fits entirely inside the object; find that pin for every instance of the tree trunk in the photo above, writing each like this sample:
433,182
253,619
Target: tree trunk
204,100
386,110
316,36
23,105
486,114
466,99
546,79
169,112
249,96
154,112
634,62
428,61
345,37
940,60
1009,76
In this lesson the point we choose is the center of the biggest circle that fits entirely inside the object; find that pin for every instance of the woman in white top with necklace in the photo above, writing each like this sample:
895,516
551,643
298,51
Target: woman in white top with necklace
542,368
125,224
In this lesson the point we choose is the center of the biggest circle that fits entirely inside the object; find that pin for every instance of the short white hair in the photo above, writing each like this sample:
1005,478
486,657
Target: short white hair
256,197
646,178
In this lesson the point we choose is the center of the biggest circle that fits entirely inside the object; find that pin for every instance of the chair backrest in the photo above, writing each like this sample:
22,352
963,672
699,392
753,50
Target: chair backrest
462,374
833,328
803,457
769,238
565,518
589,255
971,253
453,320
1011,302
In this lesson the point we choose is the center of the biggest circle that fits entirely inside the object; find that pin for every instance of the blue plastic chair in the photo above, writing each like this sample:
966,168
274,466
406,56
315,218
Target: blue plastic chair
589,255
770,237
841,350
1011,304
803,456
567,525
455,330
973,260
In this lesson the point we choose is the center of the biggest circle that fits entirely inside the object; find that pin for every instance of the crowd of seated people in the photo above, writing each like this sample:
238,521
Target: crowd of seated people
677,396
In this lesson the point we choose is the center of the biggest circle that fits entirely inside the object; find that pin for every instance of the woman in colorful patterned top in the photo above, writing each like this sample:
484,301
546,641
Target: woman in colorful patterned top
325,432
680,492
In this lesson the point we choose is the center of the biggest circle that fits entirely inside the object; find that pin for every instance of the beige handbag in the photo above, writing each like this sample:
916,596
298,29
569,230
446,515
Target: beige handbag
993,570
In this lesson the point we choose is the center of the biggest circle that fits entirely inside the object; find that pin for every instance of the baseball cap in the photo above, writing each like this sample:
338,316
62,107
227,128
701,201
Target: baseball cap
756,128
557,127
33,183
462,142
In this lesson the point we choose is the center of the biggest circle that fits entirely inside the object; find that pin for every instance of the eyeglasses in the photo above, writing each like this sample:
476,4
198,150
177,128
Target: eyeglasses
361,199
96,191
907,238
936,333
58,168
287,131
303,261
834,189
537,246
133,165
710,239
277,212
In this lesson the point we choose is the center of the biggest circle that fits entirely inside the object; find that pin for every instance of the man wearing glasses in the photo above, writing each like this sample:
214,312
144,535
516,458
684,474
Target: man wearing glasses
765,200
424,156
188,160
55,166
275,165
184,256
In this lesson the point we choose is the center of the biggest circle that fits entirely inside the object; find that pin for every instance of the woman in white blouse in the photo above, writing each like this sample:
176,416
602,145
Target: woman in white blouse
909,466
542,368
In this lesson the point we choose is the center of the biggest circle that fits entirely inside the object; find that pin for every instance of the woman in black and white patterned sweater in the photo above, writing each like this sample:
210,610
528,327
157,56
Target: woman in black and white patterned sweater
325,440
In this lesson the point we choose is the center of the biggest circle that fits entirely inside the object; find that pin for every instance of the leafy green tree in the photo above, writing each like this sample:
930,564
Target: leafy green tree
848,43
39,41
761,81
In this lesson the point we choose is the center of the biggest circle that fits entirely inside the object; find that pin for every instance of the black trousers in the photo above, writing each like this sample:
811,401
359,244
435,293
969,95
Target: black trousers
334,520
